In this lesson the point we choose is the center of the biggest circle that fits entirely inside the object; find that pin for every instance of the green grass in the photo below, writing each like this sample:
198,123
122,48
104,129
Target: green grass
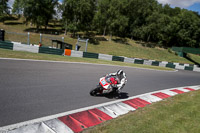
194,57
134,50
178,114
38,56
118,46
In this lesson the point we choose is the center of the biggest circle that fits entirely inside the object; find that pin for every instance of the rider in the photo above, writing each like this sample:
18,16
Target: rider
119,79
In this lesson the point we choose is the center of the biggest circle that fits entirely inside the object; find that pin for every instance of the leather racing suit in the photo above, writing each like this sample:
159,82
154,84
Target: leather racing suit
121,80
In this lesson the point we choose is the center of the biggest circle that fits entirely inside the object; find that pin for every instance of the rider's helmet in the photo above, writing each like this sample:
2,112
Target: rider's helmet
120,74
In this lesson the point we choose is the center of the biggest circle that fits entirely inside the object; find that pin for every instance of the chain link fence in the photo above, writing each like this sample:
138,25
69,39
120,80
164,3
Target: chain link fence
32,38
16,37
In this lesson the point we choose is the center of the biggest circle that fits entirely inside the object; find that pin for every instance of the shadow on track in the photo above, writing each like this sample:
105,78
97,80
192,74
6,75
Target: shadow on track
121,95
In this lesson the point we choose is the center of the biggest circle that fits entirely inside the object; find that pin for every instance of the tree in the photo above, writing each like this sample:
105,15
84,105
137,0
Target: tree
3,9
18,7
189,32
101,16
78,15
150,21
111,17
138,12
39,12
117,20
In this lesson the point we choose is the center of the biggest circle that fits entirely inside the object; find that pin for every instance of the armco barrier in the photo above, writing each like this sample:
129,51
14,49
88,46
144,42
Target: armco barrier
77,53
118,58
139,61
28,48
190,68
148,62
179,67
197,69
6,45
90,55
129,60
134,60
170,65
47,50
105,57
161,64
191,65
155,63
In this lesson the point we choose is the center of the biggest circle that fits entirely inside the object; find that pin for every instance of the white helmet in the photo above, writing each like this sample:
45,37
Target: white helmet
120,74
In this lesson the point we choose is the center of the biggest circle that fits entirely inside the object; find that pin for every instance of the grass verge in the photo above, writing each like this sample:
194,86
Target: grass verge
178,114
38,56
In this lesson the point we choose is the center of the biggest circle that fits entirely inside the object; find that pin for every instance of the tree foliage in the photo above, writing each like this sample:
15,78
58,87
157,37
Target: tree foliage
38,12
148,20
18,7
145,20
3,9
111,17
78,14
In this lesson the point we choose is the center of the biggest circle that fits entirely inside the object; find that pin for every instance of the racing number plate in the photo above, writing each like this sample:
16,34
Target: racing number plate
103,82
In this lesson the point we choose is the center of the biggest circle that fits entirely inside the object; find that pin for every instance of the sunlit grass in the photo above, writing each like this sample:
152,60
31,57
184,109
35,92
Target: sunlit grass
178,114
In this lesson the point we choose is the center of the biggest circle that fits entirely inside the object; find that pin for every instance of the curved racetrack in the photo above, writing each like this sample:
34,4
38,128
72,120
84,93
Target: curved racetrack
34,89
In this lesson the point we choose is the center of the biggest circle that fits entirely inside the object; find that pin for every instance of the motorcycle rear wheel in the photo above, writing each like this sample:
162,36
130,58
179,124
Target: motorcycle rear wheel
95,91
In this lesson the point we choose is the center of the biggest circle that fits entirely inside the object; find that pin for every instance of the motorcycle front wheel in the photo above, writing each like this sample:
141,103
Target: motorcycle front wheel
95,91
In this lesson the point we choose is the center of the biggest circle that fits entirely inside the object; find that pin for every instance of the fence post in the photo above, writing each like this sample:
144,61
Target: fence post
40,38
2,35
86,45
63,39
28,38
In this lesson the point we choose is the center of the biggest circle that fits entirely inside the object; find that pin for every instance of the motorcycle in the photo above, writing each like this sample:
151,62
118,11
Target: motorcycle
105,86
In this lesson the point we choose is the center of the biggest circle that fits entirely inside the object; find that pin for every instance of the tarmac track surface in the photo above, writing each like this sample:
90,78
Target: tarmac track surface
34,89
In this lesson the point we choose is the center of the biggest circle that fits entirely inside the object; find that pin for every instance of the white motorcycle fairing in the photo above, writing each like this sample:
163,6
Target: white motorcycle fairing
107,88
